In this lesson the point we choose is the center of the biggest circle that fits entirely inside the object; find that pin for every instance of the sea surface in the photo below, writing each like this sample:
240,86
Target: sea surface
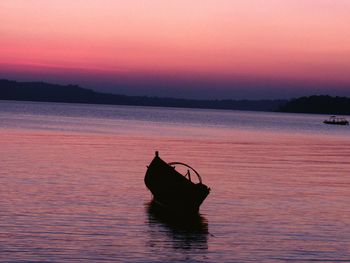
72,189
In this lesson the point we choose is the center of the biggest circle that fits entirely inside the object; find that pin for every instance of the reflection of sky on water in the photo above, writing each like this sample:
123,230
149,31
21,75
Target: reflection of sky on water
75,192
153,121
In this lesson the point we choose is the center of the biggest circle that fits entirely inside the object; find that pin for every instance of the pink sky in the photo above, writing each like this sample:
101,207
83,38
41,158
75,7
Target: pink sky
301,40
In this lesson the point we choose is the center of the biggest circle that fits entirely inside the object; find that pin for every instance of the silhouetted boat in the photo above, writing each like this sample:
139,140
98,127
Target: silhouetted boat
336,121
173,190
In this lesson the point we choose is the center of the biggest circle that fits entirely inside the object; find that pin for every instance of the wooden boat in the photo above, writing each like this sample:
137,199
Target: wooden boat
336,121
171,189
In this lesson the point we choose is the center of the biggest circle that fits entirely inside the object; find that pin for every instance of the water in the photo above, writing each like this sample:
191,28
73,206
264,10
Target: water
71,185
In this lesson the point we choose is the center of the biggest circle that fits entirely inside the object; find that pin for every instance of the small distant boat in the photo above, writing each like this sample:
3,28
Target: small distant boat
172,190
336,121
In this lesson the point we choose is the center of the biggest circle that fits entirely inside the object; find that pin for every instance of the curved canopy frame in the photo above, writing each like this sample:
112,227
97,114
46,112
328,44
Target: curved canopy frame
186,165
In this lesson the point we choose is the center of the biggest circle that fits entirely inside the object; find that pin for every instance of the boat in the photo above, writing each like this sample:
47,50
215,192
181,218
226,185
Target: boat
336,121
171,189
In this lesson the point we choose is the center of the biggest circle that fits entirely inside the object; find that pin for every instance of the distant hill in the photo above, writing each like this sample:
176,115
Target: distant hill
318,104
40,91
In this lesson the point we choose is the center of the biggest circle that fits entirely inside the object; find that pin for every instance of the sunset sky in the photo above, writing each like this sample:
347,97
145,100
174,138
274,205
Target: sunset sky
191,49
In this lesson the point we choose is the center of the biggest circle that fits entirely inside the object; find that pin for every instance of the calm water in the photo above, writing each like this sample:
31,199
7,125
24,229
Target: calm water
71,185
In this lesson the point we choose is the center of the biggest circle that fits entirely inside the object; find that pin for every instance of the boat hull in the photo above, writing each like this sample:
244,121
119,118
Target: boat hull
172,190
336,123
334,120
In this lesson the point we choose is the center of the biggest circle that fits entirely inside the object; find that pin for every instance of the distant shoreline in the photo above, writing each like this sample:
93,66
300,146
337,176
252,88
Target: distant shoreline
46,92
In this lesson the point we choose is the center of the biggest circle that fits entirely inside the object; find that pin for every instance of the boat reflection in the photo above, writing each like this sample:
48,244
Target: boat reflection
181,232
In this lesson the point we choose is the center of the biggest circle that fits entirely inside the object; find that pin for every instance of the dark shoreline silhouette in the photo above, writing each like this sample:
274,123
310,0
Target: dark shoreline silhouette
46,92
322,104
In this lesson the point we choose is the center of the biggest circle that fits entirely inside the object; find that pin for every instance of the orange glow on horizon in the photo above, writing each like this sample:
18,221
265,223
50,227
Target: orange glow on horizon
290,39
